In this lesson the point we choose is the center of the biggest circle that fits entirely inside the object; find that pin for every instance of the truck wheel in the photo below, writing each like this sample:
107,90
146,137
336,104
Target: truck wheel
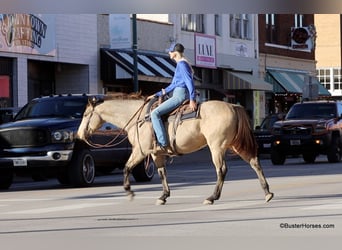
334,152
6,178
309,158
277,158
82,168
63,178
144,171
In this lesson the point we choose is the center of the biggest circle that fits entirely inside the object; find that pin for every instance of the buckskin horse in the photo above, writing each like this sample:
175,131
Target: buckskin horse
219,125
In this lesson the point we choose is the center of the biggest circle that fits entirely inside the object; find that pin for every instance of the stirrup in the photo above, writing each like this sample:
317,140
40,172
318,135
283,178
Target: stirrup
166,150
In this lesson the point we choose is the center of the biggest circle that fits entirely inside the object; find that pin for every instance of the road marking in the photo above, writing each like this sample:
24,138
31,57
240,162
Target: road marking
26,199
59,209
230,205
331,206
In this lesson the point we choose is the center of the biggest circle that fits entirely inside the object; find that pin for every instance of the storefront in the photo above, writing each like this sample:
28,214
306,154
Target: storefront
155,70
290,86
6,79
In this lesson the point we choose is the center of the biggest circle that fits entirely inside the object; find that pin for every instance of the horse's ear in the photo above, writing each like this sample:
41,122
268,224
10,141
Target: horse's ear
92,100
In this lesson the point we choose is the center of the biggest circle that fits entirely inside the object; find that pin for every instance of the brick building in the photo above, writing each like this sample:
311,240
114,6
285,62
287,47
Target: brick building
287,59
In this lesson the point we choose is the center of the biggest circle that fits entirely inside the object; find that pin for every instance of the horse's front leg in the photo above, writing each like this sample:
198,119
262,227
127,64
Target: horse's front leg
134,159
127,183
160,163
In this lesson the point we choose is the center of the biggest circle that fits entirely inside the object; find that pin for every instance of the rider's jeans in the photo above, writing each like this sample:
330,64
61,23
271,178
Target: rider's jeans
178,97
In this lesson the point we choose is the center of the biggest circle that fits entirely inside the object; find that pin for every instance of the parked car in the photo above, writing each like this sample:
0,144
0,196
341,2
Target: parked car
310,128
41,142
263,133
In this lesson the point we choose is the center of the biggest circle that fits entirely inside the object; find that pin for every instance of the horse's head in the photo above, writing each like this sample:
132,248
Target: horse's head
91,120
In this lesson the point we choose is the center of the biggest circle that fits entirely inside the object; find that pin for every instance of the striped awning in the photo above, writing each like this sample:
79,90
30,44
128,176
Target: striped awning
151,65
292,82
241,80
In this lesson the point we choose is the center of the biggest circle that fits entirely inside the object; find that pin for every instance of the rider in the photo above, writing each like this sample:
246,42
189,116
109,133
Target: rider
182,88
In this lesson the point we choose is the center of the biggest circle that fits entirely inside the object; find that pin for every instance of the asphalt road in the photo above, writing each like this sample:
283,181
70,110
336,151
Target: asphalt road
305,213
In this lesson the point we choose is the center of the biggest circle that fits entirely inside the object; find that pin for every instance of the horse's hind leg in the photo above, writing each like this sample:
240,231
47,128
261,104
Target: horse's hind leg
221,171
255,164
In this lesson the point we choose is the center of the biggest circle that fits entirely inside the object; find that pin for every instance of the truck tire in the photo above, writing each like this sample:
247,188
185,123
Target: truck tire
277,158
6,178
334,152
144,171
81,170
309,157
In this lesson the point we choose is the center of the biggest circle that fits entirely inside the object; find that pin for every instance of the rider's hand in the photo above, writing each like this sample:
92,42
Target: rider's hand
150,97
193,105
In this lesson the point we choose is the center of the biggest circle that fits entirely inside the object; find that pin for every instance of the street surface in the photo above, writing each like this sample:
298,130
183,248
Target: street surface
306,210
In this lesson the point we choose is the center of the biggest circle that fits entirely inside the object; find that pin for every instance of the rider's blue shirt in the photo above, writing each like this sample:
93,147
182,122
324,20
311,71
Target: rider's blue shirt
182,78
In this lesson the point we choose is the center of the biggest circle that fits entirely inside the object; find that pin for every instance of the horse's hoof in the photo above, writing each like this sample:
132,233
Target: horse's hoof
160,202
269,197
130,196
208,202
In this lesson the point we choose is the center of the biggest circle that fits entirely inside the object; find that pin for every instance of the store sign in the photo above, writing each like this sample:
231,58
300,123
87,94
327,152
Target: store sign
205,51
303,38
120,31
28,33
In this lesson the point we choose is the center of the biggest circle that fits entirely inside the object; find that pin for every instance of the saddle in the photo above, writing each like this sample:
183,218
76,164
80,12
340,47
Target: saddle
175,117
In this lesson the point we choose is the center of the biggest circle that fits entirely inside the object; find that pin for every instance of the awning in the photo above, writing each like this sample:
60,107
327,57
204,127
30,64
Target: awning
292,82
151,65
241,80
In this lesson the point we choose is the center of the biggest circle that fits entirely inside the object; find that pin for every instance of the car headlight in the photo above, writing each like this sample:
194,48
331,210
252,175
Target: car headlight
320,128
276,131
63,136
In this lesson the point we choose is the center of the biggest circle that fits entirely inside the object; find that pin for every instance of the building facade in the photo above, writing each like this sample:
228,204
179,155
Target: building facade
43,54
287,59
329,53
222,48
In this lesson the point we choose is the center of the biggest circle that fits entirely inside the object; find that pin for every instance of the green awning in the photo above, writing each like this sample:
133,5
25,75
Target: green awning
292,82
241,80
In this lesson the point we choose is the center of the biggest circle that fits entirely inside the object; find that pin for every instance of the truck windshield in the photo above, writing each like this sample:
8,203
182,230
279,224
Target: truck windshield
53,108
312,111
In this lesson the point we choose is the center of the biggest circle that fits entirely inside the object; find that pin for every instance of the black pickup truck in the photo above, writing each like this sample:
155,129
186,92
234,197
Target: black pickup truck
310,128
41,142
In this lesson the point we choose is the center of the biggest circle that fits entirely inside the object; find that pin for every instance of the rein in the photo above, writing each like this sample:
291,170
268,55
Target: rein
122,131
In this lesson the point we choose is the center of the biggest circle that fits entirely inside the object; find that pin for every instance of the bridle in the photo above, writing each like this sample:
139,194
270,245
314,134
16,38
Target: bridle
121,132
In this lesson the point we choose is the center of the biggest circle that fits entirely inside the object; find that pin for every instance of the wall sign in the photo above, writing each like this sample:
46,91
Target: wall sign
120,31
28,33
205,51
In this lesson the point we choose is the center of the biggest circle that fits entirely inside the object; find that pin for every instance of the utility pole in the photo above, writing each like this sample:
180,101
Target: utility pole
135,54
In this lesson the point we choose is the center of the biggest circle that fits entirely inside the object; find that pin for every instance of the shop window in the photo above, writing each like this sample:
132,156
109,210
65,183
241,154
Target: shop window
239,26
192,22
271,28
5,93
218,25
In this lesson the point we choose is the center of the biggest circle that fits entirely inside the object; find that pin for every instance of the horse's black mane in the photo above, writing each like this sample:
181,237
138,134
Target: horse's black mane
97,99
124,96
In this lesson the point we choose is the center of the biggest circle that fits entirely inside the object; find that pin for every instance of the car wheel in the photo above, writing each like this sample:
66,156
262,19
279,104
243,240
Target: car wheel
63,178
82,168
144,171
277,158
309,158
6,178
334,152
